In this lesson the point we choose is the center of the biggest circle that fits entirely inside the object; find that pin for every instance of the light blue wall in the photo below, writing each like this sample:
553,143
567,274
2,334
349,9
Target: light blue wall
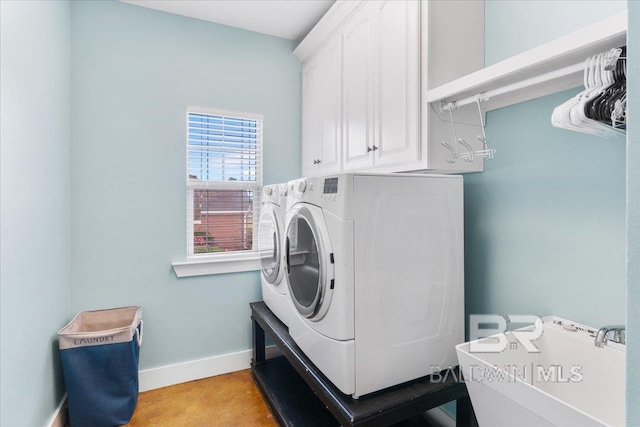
34,200
545,222
134,72
512,27
633,219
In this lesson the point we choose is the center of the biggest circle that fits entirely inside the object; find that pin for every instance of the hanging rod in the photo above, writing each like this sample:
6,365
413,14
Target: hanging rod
485,96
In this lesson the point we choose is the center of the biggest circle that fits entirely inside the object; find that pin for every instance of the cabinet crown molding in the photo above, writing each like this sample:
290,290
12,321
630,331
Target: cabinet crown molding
330,23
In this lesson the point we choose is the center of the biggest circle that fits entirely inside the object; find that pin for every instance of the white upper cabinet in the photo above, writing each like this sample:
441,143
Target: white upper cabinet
364,65
382,86
358,39
310,112
321,114
331,104
397,82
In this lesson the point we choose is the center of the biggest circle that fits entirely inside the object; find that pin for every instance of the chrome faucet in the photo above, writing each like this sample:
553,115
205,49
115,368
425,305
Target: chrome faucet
615,333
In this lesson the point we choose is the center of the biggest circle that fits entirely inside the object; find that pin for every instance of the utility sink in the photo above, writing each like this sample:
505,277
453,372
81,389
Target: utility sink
569,382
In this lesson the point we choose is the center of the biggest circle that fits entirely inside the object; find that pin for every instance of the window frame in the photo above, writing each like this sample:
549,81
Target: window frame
221,262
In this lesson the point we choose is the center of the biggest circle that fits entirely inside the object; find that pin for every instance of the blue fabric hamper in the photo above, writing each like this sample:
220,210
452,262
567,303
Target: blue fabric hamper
100,351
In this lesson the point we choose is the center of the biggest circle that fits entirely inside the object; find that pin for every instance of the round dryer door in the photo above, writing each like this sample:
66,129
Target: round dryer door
269,243
309,271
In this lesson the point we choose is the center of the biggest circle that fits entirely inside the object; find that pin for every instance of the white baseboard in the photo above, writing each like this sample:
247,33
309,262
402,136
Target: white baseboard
168,375
60,415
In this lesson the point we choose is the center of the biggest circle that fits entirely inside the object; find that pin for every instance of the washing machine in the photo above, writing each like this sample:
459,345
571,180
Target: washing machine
374,270
271,239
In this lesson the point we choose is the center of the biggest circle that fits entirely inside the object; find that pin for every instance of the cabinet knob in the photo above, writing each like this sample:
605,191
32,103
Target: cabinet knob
318,161
375,148
369,149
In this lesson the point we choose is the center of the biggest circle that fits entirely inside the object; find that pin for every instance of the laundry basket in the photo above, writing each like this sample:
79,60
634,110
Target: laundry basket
100,352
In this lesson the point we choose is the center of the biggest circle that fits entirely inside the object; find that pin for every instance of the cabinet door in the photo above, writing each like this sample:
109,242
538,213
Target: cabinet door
358,90
397,82
330,120
310,117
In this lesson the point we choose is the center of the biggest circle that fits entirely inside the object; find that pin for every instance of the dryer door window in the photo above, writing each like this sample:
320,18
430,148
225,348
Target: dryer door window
304,263
269,244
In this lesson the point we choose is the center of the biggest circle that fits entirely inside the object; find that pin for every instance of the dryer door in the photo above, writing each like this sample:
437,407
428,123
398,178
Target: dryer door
270,229
309,269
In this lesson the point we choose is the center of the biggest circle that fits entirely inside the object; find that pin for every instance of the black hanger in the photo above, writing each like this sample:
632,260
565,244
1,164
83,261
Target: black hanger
601,106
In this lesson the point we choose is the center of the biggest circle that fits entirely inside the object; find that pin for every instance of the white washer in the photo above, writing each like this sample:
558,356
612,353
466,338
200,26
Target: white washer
375,276
271,235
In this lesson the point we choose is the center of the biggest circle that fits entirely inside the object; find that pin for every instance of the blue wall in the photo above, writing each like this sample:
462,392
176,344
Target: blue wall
545,222
34,200
633,220
134,72
512,27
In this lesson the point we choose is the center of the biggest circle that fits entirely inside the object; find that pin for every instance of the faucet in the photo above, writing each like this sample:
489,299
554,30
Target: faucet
616,332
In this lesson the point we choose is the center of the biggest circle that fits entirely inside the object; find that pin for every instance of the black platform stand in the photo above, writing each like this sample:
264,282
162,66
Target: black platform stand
300,395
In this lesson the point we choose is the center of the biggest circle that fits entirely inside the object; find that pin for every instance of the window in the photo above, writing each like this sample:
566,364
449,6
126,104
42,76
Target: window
224,178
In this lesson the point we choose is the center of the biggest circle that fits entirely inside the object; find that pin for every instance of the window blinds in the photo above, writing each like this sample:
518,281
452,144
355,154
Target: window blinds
224,175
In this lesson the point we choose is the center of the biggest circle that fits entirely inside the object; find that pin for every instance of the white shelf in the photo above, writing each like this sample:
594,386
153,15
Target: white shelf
546,69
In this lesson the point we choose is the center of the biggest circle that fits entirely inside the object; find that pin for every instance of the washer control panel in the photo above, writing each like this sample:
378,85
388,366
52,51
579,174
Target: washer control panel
330,185
330,188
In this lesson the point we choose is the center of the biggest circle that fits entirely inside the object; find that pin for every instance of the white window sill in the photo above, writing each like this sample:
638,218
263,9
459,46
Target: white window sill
217,264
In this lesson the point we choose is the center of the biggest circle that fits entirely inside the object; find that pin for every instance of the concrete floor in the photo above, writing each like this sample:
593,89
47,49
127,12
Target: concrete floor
230,400
226,400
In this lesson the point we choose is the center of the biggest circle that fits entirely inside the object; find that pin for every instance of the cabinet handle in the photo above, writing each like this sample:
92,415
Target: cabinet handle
375,148
318,161
369,149
315,162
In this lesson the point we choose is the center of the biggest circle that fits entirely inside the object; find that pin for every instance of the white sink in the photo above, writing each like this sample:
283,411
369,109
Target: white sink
569,382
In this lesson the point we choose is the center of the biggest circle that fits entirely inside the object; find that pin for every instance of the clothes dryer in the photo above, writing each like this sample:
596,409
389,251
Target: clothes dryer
271,246
375,276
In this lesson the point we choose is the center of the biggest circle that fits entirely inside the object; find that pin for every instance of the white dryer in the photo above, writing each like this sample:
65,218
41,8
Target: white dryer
271,238
375,276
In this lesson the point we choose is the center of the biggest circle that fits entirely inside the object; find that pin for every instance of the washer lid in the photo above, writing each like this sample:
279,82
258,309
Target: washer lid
309,268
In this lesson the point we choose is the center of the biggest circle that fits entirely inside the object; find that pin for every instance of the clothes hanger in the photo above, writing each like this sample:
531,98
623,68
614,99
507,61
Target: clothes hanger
615,93
601,79
619,90
455,152
568,114
486,150
600,107
619,114
560,117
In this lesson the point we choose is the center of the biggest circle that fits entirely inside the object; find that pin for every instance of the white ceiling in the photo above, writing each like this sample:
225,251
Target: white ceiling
290,19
